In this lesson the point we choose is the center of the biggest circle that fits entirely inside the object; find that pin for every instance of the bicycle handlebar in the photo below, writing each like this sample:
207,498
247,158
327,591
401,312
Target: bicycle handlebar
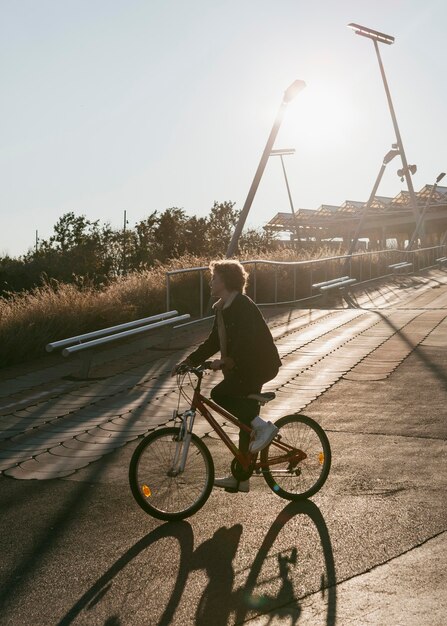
184,368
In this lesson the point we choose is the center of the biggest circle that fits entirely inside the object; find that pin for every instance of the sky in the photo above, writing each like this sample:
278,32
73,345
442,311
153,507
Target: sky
141,105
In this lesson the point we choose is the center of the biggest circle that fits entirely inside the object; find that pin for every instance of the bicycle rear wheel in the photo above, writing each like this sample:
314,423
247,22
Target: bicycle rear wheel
302,479
158,489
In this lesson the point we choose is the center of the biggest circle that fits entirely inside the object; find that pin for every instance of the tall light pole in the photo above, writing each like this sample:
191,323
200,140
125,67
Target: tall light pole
420,221
377,37
281,154
386,159
288,96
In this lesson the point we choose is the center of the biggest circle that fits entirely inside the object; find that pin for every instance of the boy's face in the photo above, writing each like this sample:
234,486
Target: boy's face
217,285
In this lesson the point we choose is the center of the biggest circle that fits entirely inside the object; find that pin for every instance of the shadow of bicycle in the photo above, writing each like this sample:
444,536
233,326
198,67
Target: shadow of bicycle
216,602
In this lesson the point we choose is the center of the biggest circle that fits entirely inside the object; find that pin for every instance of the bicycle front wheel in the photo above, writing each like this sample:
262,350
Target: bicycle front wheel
302,479
158,487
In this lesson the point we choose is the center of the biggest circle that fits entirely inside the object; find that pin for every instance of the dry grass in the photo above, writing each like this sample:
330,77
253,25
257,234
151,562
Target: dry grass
28,321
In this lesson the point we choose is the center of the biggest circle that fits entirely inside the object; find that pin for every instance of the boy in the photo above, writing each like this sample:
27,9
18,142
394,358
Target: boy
249,358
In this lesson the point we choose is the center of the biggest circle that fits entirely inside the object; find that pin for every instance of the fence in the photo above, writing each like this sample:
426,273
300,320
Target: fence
288,282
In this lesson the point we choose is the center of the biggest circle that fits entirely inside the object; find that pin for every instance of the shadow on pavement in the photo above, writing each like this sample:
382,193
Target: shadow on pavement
439,372
181,531
215,556
285,604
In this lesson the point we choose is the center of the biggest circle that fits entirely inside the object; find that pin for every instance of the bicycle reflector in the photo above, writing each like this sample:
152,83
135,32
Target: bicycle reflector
321,458
146,491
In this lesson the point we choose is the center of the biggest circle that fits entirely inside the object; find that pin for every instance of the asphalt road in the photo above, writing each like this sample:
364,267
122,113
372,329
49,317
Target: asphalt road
368,549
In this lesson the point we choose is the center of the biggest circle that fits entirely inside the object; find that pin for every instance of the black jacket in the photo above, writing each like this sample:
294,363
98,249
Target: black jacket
249,342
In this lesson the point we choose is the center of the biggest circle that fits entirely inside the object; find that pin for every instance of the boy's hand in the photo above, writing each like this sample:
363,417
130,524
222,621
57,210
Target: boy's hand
177,368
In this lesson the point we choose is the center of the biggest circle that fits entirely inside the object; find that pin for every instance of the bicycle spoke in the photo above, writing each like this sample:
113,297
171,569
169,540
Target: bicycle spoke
298,479
170,495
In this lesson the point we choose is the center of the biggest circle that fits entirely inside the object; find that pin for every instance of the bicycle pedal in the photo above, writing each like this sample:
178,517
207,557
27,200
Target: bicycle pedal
231,490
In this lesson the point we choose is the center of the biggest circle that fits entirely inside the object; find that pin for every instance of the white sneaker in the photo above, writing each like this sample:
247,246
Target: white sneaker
261,436
232,484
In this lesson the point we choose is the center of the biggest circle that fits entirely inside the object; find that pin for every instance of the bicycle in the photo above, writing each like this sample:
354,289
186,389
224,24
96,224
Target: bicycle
171,471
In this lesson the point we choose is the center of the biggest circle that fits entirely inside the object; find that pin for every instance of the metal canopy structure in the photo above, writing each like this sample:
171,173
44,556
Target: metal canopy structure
387,218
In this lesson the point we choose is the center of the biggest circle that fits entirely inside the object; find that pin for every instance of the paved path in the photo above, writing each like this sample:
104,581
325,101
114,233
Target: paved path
78,550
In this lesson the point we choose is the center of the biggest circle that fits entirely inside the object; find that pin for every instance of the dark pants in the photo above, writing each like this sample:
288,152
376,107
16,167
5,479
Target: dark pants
231,394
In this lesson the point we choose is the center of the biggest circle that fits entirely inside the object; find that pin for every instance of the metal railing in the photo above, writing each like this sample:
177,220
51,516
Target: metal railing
297,277
111,330
84,343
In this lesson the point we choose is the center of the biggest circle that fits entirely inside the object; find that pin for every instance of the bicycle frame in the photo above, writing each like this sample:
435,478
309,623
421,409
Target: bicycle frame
200,403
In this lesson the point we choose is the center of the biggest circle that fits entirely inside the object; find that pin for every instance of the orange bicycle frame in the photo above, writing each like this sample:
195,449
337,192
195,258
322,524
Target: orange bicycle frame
200,403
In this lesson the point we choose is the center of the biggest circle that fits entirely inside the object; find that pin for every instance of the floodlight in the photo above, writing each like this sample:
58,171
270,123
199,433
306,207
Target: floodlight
390,155
283,152
411,168
293,90
371,34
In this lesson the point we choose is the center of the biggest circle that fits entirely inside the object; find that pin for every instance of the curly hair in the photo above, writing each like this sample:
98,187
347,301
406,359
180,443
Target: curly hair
232,273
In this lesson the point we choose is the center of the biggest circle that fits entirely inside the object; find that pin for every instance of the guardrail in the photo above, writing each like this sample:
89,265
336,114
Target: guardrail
298,277
336,283
87,341
403,265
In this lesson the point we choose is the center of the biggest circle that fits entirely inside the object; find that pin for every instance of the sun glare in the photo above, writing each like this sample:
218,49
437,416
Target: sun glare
321,115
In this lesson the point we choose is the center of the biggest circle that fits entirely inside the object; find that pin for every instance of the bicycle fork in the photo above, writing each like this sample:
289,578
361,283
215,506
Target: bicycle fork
183,442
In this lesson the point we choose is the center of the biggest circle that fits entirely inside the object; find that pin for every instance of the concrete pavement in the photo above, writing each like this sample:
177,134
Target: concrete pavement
367,549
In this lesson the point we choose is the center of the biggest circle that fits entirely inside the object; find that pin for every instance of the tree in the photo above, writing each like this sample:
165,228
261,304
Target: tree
256,241
170,234
222,220
196,233
144,251
71,231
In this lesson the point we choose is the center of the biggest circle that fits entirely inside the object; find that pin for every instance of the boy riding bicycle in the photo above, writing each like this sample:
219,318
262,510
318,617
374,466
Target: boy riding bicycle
249,358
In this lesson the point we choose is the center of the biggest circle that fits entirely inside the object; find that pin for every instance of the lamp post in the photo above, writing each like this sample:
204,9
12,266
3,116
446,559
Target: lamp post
417,230
377,38
288,96
281,154
386,159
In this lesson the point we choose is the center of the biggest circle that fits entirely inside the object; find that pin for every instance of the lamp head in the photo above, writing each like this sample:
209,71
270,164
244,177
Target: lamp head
364,31
293,90
440,177
283,152
390,155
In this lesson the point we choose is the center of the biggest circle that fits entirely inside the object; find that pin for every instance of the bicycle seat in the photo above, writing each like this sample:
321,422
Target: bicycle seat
262,398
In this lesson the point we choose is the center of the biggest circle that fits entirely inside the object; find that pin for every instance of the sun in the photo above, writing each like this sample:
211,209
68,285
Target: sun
322,115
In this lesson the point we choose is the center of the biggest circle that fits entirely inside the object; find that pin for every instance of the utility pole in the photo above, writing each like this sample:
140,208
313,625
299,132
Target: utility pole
124,242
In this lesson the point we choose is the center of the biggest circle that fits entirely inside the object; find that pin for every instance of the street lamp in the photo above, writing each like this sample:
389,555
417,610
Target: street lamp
389,156
416,232
282,153
377,38
288,96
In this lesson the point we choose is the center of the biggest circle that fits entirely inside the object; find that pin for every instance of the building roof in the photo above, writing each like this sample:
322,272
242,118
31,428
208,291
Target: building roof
381,206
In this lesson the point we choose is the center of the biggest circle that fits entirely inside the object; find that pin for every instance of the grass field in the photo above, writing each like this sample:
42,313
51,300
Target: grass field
28,321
